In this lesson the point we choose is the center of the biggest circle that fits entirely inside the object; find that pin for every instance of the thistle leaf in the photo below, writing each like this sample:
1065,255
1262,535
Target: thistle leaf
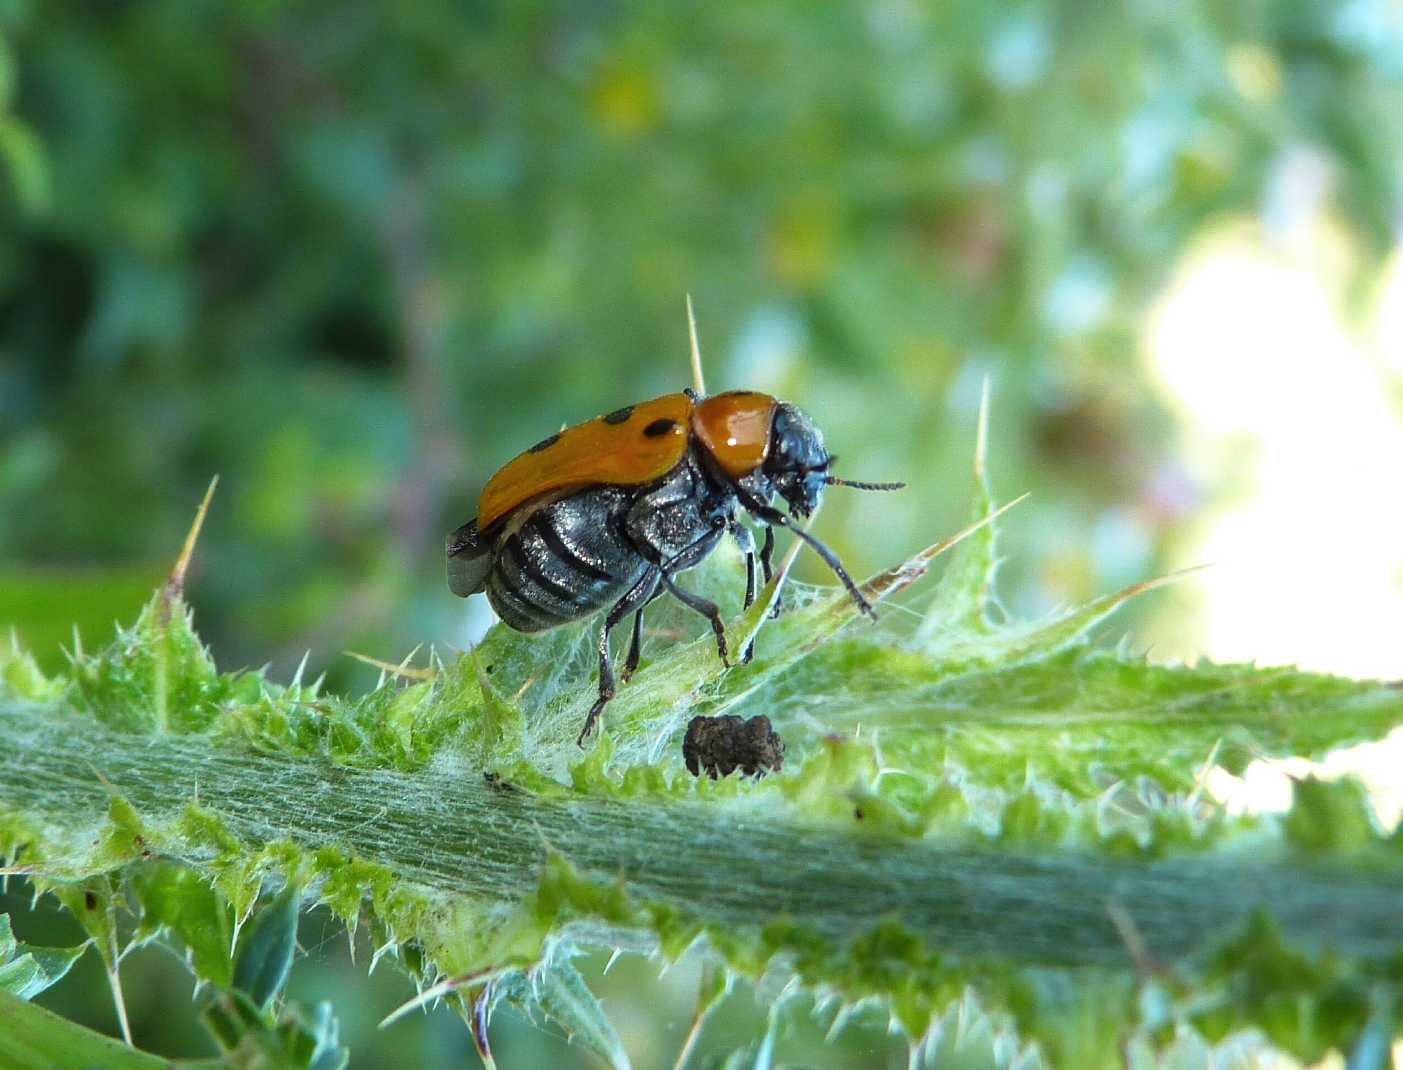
26,970
265,954
562,996
969,803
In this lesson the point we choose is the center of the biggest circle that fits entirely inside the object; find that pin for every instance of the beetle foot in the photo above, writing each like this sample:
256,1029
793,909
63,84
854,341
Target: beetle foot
723,649
592,720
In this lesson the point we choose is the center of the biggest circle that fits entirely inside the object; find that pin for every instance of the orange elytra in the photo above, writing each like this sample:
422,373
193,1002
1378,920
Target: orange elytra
627,447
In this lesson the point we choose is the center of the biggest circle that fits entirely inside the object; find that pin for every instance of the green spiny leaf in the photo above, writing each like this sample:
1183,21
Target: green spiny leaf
1329,816
91,902
178,900
251,1039
1305,1003
562,996
266,951
26,970
32,1038
988,804
21,676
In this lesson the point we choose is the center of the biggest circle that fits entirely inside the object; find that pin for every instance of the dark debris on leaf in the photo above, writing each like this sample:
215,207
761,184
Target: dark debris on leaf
497,782
720,745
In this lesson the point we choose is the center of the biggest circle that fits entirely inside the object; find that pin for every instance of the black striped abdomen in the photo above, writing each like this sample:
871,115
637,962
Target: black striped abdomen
568,560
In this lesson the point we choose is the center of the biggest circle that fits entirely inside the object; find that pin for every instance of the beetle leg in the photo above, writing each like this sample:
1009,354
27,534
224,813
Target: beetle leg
746,541
637,597
767,568
767,554
635,646
707,609
770,515
685,559
694,554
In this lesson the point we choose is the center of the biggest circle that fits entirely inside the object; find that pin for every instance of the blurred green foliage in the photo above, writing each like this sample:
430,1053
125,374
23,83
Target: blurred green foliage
354,256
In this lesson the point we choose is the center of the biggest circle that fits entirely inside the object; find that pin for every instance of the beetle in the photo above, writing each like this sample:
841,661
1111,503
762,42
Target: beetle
609,512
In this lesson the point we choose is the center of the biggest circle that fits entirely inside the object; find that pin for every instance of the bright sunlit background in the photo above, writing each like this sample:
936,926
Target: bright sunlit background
353,258
1288,410
1286,407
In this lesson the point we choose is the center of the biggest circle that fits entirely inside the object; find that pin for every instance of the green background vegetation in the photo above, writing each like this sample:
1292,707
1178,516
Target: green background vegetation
352,257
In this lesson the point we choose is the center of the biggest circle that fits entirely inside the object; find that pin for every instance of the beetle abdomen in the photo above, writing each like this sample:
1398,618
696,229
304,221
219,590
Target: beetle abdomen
569,559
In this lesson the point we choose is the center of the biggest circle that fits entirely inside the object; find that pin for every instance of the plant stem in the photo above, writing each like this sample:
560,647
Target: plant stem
734,869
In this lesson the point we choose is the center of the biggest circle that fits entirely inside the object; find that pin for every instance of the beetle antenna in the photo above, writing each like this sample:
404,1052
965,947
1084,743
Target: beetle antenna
834,481
698,380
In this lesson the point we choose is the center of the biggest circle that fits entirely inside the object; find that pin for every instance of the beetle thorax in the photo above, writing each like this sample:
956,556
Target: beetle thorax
735,430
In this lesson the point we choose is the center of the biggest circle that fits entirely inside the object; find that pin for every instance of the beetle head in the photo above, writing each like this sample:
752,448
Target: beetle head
797,464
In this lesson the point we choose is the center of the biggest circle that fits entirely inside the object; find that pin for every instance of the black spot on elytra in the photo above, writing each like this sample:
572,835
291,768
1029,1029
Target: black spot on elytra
545,443
619,416
90,900
659,427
